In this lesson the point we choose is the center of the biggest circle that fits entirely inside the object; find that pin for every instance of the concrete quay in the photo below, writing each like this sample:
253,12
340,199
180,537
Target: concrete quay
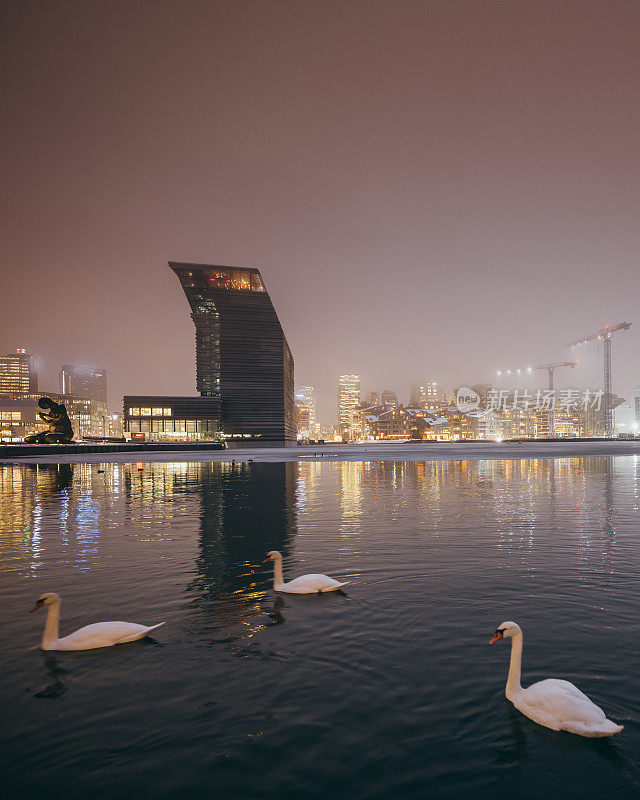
366,451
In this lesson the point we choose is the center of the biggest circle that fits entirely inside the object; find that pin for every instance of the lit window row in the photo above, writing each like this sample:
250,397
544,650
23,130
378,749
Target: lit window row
171,426
10,415
149,412
235,279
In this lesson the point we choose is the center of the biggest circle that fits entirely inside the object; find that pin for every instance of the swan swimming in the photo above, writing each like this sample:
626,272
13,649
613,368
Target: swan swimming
305,584
554,703
100,634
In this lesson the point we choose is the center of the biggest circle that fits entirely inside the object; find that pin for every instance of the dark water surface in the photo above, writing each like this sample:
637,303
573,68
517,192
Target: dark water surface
390,691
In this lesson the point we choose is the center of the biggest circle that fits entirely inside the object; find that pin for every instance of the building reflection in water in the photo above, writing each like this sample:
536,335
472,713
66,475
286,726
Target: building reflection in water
531,499
307,485
249,509
350,478
28,492
243,511
596,524
66,514
246,509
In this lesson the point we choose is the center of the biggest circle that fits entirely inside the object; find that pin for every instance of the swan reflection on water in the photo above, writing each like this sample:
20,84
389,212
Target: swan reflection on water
55,669
276,615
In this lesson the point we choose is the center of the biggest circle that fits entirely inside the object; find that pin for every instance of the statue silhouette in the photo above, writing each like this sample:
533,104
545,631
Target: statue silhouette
60,429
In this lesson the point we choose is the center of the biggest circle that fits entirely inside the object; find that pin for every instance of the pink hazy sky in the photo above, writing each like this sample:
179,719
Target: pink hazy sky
430,189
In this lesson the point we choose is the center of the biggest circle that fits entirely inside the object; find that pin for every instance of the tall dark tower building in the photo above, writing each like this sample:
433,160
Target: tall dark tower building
242,355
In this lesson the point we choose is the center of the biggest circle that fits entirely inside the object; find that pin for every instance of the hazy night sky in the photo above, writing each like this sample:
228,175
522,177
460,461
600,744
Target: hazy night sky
429,188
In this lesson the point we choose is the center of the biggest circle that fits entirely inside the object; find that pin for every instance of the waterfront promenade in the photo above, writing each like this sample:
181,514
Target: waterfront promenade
367,451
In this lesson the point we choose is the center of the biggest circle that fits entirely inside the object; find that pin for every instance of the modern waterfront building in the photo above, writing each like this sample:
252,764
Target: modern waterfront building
83,382
242,355
348,401
244,368
172,418
18,373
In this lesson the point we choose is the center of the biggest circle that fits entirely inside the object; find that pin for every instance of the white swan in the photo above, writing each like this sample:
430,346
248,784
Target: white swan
100,634
554,703
305,584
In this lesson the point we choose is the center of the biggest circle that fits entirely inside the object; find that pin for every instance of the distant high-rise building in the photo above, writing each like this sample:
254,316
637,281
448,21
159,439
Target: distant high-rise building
83,382
242,355
372,399
18,373
426,395
348,401
627,415
305,397
389,398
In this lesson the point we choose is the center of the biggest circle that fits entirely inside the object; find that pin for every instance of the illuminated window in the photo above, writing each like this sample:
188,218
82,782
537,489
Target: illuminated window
168,425
134,426
156,425
134,412
234,279
191,426
220,279
145,412
15,415
180,426
166,412
156,412
145,425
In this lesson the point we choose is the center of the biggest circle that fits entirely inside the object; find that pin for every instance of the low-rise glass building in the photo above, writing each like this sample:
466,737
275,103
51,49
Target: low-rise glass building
169,418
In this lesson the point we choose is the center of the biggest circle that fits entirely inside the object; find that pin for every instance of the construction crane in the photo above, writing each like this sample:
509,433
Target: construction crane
550,368
605,334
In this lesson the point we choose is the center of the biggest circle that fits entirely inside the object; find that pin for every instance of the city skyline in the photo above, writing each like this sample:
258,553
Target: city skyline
504,382
464,204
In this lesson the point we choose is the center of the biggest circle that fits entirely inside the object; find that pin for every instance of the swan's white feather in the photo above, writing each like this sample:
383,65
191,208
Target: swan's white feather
304,584
308,584
560,705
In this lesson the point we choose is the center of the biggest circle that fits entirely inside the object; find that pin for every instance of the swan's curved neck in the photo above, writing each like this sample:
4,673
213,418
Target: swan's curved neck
278,580
515,667
51,626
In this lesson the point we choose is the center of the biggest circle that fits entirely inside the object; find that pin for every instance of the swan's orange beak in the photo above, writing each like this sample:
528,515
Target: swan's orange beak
496,637
36,607
266,559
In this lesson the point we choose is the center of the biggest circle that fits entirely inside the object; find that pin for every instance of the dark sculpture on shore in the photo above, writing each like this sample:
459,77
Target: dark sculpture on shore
60,429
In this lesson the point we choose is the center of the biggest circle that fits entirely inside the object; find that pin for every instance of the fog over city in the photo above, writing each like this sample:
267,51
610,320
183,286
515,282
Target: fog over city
430,189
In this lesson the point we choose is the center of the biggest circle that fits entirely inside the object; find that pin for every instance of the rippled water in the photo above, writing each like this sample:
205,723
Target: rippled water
387,691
